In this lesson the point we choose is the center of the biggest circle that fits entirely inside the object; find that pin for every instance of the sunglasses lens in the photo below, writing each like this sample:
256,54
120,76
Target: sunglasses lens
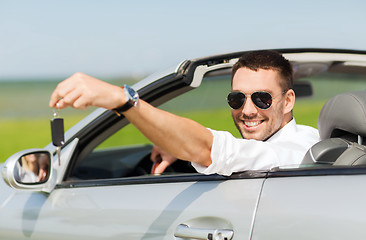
262,100
236,99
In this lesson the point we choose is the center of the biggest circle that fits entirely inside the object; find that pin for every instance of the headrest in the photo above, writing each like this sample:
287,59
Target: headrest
342,115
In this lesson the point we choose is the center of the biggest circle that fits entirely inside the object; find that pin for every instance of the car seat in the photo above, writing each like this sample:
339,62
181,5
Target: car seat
342,130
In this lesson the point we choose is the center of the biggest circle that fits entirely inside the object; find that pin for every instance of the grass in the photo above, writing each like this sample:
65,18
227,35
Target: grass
20,134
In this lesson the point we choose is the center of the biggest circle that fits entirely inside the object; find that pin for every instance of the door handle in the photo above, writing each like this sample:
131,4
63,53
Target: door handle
184,231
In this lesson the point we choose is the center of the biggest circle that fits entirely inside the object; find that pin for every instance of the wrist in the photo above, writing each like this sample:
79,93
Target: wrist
119,97
131,99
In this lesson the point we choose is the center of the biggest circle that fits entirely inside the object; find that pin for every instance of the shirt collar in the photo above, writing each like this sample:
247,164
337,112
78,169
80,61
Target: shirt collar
287,130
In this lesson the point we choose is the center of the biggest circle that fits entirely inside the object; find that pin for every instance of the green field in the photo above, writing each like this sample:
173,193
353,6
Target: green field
25,113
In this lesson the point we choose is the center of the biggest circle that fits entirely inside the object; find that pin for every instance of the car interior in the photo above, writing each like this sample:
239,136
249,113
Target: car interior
129,161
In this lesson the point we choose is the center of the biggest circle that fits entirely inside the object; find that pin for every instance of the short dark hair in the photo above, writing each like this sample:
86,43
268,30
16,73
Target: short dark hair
268,60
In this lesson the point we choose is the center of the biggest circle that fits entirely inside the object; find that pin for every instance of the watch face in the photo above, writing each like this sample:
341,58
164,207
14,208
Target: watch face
133,96
131,92
132,100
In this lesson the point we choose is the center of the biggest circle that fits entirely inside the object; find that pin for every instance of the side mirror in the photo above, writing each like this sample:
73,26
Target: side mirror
32,168
28,169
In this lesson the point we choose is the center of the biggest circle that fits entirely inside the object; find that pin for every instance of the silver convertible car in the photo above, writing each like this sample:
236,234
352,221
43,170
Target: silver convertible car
102,187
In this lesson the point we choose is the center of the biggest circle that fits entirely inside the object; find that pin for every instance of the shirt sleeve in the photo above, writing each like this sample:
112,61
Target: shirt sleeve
230,154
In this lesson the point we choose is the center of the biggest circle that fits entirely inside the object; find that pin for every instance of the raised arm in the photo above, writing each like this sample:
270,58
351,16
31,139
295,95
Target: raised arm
181,137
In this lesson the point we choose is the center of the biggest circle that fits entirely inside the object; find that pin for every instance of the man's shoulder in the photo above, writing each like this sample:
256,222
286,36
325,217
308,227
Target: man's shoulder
307,134
299,128
306,127
294,132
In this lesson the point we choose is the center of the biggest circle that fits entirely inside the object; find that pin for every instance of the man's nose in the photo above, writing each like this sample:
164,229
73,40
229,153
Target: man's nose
249,109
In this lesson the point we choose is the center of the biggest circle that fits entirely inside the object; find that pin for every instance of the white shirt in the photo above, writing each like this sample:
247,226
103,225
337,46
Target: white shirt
286,147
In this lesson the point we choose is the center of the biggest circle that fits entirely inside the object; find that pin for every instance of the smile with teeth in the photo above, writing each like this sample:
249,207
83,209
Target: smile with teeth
252,123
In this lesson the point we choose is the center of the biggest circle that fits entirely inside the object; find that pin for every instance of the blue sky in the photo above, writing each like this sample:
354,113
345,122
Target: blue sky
52,39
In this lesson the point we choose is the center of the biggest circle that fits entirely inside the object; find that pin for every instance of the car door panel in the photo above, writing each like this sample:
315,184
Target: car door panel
312,207
137,211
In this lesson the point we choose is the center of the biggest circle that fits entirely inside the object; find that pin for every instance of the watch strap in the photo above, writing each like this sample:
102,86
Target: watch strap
123,108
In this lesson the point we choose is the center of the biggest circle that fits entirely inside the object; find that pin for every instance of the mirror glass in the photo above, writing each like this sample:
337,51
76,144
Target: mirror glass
33,168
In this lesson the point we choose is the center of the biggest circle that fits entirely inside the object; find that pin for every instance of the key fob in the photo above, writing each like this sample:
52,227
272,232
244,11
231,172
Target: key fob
57,132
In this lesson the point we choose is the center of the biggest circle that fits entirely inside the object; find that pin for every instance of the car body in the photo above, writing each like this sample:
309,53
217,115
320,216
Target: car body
108,193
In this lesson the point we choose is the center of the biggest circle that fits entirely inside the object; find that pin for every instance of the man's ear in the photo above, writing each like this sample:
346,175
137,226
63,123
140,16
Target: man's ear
289,101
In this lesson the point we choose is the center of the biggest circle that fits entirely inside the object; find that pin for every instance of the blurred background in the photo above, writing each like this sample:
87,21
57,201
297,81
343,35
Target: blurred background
43,42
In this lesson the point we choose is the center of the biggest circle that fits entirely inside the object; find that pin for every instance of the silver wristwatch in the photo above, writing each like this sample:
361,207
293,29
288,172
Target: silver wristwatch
132,100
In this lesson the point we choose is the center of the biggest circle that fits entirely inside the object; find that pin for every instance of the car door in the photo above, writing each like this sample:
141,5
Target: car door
139,208
312,204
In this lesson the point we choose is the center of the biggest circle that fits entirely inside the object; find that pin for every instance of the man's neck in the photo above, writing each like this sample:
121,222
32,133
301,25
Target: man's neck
286,120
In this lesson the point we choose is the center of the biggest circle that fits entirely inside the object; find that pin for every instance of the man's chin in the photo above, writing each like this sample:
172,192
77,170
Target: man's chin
252,136
255,134
259,136
251,133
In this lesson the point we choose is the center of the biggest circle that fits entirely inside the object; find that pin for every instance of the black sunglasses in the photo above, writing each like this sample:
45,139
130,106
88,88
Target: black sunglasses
261,99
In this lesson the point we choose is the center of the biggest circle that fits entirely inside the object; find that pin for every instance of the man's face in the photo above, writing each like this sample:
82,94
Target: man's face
251,121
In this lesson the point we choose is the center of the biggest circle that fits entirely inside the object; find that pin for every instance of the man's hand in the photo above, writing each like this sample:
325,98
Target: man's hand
161,160
81,91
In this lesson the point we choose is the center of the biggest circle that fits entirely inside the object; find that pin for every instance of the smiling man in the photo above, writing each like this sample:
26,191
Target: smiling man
262,100
257,76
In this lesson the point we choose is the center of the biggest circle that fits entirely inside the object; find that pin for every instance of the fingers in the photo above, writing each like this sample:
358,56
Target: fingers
42,175
70,98
156,159
81,91
153,169
160,167
62,91
70,92
55,98
75,99
155,154
161,160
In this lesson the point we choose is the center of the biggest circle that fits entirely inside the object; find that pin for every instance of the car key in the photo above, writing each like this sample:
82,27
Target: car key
57,132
